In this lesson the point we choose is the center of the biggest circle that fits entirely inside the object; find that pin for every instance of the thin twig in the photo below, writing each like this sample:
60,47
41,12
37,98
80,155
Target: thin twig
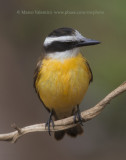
64,123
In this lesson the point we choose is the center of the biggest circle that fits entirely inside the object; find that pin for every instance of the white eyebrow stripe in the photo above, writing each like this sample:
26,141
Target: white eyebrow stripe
49,40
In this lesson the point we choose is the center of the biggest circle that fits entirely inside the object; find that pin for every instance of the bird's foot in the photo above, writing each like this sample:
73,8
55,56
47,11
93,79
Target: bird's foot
49,122
77,116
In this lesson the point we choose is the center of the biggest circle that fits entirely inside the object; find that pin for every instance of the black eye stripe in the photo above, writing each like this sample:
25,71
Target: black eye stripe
57,46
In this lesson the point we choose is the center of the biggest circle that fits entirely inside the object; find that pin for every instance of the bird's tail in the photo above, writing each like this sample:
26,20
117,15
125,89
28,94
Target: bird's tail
73,132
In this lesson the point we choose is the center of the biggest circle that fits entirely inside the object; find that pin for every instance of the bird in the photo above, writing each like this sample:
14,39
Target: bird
62,77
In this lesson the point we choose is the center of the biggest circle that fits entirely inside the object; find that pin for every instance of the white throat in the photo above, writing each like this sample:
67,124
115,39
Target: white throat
63,55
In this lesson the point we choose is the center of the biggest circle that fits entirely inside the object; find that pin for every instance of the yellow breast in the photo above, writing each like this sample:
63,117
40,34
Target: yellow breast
63,84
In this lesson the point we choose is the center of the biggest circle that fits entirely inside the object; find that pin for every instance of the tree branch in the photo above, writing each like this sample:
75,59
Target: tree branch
64,123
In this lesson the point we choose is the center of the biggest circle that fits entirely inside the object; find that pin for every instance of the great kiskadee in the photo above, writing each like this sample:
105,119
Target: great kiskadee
62,77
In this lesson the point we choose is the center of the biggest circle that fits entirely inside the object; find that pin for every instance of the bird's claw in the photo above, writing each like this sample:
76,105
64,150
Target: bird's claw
50,122
77,116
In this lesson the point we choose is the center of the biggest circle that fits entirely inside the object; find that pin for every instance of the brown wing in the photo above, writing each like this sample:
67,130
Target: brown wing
35,77
38,66
91,79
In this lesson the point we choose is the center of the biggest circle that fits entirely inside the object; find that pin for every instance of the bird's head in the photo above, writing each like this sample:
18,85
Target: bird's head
65,42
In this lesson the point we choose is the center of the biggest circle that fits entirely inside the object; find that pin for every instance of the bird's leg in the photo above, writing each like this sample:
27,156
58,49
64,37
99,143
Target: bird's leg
77,115
50,121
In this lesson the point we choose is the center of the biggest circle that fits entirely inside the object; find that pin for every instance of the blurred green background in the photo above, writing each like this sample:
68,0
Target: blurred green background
22,33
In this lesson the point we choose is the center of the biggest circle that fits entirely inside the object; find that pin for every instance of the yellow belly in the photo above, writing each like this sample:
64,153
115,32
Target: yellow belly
63,84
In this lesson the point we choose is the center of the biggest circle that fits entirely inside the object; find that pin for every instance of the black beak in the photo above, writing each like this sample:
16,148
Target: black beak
86,42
